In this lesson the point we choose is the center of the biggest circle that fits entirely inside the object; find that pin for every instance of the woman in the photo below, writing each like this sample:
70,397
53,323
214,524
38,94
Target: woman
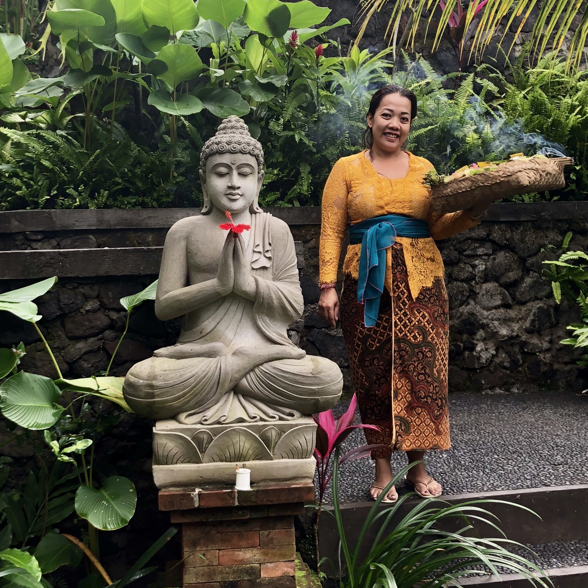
396,327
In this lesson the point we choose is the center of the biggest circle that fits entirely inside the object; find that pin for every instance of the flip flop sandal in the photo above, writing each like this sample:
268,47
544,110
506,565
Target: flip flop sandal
413,486
385,500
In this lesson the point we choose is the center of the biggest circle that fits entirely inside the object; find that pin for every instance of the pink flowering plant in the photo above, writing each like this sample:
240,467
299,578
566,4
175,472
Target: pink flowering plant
330,434
461,24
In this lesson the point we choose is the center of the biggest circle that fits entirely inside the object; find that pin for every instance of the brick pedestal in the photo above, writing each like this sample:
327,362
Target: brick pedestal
234,539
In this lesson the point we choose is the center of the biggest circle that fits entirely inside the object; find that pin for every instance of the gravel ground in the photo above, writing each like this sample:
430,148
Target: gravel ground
500,442
553,555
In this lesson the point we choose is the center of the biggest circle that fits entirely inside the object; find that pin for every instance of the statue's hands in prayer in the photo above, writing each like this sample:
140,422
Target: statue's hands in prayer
244,282
329,306
225,277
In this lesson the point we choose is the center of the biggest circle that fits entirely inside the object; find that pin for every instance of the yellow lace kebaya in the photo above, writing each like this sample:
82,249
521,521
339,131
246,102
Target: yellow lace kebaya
355,192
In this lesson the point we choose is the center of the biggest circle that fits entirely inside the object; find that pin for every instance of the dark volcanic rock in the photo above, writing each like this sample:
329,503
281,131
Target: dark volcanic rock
492,296
532,287
310,290
330,345
80,348
70,300
79,242
541,318
90,364
505,268
458,293
37,361
128,350
110,294
86,325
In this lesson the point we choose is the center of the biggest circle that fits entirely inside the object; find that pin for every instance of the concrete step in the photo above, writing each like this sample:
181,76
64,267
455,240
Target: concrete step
563,513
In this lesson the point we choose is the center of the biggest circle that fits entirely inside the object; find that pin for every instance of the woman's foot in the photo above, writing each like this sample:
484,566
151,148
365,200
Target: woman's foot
425,487
383,478
417,477
390,498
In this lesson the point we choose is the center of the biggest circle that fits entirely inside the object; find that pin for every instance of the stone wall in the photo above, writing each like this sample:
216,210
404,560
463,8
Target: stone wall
505,324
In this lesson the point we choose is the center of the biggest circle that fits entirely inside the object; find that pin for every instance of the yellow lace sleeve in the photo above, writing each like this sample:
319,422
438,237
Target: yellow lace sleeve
334,223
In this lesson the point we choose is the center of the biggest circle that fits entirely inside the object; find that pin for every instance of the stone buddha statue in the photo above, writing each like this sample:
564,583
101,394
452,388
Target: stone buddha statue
233,367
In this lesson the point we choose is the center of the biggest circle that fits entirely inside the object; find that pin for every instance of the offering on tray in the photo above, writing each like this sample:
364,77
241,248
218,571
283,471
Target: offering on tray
489,181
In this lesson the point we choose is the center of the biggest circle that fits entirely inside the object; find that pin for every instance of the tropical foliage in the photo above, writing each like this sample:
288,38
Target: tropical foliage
69,412
482,21
137,78
125,126
552,104
569,279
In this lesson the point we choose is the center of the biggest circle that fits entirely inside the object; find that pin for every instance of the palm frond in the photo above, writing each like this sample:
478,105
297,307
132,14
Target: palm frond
553,23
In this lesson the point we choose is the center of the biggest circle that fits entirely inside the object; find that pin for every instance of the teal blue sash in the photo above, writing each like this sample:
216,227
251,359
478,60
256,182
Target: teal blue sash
376,235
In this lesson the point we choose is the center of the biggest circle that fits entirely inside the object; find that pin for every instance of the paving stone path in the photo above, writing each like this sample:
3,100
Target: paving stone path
500,442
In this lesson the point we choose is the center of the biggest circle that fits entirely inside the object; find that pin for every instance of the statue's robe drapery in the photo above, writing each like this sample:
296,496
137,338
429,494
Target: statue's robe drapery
194,380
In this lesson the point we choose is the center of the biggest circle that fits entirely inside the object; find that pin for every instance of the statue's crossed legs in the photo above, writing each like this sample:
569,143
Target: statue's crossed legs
173,382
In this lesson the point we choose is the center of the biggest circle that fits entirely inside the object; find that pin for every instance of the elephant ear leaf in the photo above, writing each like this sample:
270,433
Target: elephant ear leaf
174,15
222,11
20,302
55,551
8,361
131,302
30,401
23,560
109,508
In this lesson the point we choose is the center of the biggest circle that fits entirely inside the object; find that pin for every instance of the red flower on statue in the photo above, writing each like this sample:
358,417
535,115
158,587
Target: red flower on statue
318,51
235,229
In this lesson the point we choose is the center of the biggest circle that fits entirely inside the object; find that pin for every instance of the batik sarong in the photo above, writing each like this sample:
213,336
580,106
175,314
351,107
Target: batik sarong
409,393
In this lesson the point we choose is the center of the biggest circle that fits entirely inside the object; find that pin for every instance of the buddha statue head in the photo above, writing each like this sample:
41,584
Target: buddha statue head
231,169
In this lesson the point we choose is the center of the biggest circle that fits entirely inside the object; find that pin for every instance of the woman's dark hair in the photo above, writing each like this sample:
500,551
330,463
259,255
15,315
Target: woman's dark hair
367,139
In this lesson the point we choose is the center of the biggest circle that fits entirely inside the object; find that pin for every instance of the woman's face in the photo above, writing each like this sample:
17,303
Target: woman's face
391,122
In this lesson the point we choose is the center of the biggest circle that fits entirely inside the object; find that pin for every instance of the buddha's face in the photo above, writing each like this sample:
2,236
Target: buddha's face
232,181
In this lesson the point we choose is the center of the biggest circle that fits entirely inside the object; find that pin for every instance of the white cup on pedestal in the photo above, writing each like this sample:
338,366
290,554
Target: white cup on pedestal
243,481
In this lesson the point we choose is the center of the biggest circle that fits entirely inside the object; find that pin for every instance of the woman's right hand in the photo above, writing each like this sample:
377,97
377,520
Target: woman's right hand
225,277
329,306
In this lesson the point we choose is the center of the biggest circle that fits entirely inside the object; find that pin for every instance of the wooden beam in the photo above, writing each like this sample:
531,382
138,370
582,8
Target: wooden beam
21,221
80,263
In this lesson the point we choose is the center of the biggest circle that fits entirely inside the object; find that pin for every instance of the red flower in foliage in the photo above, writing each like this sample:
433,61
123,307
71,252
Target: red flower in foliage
330,434
235,229
318,51
293,39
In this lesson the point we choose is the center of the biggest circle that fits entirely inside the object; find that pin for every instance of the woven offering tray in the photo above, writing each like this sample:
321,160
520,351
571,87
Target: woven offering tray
494,181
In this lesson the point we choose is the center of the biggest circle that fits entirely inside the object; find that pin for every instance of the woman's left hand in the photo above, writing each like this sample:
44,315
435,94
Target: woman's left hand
478,209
